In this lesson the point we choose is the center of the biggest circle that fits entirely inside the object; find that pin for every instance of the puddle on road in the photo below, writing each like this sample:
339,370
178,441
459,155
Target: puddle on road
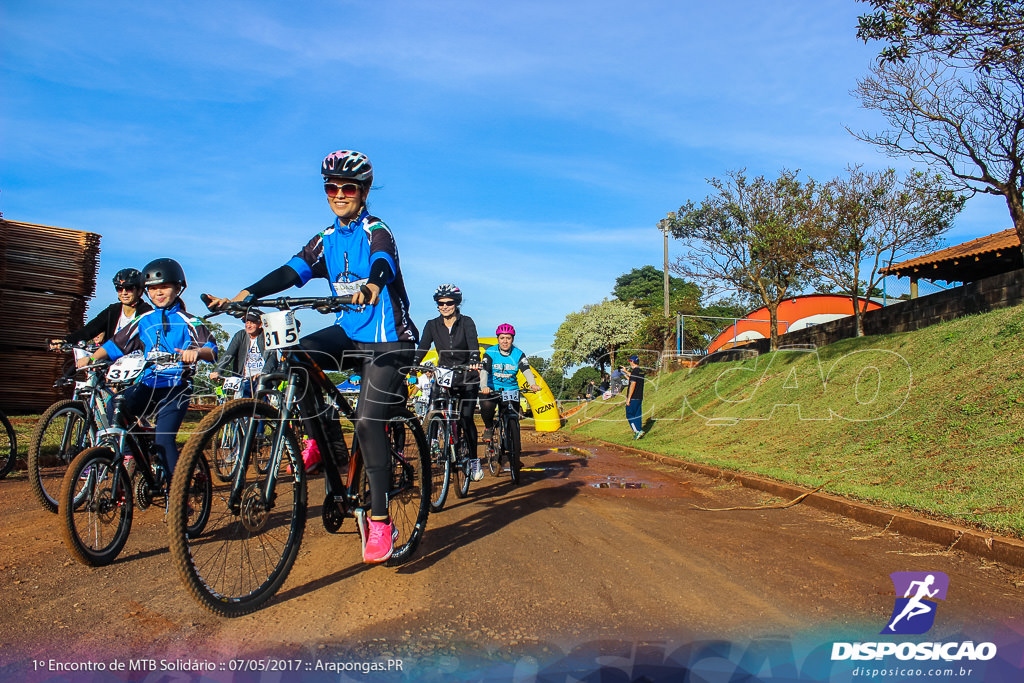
617,483
573,450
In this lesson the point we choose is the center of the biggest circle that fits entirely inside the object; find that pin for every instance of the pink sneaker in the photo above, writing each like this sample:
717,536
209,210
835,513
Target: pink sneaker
311,456
380,543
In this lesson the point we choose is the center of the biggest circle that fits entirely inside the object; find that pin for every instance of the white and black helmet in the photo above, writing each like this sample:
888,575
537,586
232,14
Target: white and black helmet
448,290
346,163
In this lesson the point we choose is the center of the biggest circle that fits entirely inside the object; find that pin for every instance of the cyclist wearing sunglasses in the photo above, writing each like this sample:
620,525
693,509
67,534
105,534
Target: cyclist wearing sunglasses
454,337
357,255
501,362
128,283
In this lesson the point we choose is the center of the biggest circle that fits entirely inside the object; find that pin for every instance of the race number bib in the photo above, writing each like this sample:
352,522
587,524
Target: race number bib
509,395
444,377
280,329
126,369
348,288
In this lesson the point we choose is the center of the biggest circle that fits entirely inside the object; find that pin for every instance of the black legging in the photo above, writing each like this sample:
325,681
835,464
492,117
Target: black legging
381,391
467,406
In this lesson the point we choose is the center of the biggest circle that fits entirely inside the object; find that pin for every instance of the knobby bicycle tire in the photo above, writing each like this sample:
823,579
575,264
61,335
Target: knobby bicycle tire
60,435
494,462
514,449
410,496
96,518
8,446
440,459
463,453
242,556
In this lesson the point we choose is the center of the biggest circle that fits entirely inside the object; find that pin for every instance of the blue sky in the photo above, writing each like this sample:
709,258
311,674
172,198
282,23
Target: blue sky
524,151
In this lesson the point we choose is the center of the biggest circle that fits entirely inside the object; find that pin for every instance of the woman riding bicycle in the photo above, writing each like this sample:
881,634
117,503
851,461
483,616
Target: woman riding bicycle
116,316
501,362
358,257
454,337
165,389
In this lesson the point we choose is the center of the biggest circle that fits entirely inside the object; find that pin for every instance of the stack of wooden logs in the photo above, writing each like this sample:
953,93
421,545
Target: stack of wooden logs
47,276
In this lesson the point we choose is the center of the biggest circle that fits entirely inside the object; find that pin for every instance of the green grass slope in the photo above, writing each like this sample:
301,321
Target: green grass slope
931,420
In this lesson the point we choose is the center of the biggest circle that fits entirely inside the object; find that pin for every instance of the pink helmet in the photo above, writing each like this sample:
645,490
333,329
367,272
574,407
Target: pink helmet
505,328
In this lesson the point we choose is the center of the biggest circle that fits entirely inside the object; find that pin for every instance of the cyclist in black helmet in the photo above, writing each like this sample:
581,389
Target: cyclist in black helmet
454,337
128,283
165,389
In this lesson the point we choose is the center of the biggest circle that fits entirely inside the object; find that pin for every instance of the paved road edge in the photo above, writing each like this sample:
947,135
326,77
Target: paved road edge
950,536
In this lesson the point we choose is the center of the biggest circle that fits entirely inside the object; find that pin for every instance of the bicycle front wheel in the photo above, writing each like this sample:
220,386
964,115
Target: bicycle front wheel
225,449
244,552
514,451
440,459
60,435
494,449
461,469
97,515
8,446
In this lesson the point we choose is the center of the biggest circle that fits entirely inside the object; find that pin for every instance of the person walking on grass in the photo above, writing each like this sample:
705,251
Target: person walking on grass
635,397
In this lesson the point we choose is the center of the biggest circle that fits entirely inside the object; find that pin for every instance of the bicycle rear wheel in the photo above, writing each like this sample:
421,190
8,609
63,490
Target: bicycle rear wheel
242,555
8,446
440,459
96,517
60,435
409,498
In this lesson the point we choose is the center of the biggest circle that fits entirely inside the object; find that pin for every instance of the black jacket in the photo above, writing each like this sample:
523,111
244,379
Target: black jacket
458,346
105,322
232,361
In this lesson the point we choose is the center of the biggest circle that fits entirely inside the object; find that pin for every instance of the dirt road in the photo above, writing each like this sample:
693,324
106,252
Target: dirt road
595,546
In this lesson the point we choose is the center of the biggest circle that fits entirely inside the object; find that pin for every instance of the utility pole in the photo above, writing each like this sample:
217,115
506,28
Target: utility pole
663,225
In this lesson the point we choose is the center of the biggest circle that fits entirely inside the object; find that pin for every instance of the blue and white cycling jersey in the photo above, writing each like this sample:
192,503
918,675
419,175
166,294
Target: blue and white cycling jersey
501,369
344,254
166,330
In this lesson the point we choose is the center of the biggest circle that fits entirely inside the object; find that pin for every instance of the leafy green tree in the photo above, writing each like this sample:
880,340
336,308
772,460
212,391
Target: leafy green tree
645,289
977,34
576,386
593,334
871,220
752,236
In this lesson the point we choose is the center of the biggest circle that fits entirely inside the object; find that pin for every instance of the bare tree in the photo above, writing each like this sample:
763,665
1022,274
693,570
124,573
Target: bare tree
968,124
751,236
872,219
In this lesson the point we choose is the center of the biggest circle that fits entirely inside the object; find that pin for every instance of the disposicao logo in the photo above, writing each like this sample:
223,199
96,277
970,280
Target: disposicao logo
917,596
914,613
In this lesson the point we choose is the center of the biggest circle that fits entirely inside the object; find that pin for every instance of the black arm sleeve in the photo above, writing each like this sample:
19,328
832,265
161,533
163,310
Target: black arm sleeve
426,339
380,273
472,340
95,326
274,282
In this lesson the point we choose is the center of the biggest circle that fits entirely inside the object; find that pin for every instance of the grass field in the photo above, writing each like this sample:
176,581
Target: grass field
931,420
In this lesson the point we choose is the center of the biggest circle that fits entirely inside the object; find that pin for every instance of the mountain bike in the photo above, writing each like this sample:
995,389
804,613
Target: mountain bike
98,490
69,426
8,445
450,450
505,445
255,530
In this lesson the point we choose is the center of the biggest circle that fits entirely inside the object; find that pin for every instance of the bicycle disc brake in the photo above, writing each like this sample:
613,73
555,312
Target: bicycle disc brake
253,510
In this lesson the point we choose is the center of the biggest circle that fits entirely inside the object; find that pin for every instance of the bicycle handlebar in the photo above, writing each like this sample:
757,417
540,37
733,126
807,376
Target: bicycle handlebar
321,304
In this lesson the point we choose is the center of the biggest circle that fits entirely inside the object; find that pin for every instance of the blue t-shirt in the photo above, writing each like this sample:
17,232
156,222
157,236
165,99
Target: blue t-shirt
501,369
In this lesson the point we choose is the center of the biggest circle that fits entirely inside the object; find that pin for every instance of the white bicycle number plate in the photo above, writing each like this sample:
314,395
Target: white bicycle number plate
509,395
126,368
232,384
444,377
280,329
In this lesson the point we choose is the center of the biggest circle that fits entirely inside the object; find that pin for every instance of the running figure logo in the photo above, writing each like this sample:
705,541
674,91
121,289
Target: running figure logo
914,613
